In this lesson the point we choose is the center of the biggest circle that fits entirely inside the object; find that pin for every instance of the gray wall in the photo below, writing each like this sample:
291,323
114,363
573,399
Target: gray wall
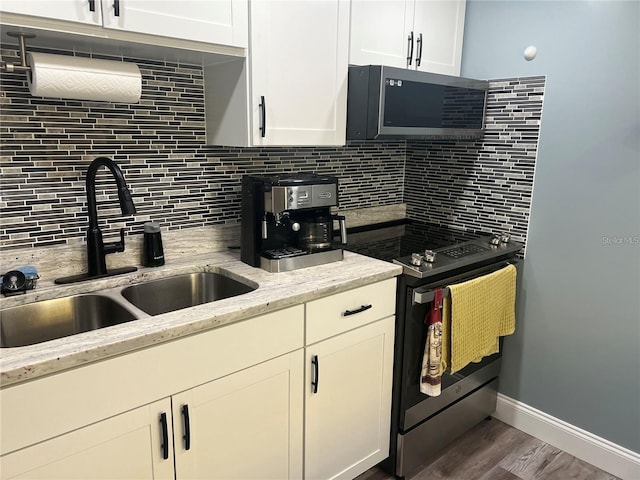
576,354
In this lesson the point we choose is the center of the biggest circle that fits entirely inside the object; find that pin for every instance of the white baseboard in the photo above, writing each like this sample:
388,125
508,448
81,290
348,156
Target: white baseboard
586,446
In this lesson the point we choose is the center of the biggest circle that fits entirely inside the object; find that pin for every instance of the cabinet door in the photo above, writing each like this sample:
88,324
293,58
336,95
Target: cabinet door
125,446
347,417
380,32
247,425
299,61
441,23
211,21
83,11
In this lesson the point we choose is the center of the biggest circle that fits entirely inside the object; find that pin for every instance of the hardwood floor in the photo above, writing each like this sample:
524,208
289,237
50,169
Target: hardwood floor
495,451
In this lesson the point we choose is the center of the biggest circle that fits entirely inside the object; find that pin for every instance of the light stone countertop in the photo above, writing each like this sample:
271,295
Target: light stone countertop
275,291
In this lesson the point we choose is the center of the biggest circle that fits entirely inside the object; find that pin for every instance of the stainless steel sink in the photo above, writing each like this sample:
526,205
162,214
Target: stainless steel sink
182,291
60,317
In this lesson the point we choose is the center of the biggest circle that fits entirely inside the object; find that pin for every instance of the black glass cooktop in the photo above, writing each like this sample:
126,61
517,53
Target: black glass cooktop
395,241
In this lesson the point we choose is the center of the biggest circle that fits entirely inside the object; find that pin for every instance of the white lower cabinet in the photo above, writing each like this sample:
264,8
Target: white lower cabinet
251,400
122,418
125,446
244,426
247,425
348,402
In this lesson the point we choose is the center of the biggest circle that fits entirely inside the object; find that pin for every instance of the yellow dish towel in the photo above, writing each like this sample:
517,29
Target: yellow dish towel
475,315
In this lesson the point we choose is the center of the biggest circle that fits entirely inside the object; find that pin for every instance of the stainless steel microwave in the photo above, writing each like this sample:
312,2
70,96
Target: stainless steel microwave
391,103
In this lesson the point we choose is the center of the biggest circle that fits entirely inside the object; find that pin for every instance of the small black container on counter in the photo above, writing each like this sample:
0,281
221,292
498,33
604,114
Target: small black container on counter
152,252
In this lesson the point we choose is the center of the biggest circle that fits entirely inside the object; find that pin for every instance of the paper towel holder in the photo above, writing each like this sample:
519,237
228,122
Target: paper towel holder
23,67
90,71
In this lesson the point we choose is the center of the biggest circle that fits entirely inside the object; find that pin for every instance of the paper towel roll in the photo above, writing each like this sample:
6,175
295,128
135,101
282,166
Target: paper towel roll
64,76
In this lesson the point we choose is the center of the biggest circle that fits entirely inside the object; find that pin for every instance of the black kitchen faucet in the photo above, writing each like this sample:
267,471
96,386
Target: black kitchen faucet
97,250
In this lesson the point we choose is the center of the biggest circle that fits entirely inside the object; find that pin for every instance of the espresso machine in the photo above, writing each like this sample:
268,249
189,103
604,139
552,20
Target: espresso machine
287,221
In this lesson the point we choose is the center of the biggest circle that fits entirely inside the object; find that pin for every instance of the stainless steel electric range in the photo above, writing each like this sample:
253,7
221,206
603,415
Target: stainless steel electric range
433,256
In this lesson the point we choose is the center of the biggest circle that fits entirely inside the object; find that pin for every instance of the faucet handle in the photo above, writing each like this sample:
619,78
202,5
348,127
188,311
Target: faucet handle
114,247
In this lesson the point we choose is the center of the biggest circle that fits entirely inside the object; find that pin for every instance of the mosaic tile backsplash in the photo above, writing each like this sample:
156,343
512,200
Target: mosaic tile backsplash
179,181
174,178
484,185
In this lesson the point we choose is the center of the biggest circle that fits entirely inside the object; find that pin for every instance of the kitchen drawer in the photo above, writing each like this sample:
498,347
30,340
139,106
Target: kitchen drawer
331,315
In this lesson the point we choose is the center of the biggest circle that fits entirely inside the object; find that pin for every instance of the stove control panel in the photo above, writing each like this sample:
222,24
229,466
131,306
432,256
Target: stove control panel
431,262
463,250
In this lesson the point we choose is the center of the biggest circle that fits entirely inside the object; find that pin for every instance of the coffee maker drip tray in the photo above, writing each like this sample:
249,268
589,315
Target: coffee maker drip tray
297,258
285,252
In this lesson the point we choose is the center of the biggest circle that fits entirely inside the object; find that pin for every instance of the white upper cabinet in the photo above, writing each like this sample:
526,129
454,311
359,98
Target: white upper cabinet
439,24
293,90
83,11
223,22
299,61
379,32
210,21
418,34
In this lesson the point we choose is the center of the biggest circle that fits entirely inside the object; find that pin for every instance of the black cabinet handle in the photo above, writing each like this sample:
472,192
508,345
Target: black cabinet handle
263,117
165,436
92,5
410,49
187,427
419,55
116,8
316,374
357,310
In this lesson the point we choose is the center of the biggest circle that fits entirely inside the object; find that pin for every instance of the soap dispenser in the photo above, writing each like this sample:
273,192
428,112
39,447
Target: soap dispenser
152,252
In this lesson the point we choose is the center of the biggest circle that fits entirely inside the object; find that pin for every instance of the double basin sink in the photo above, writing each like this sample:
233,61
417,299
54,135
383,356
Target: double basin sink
61,317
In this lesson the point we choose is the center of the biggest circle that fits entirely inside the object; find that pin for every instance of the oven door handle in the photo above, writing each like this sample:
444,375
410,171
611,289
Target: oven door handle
422,295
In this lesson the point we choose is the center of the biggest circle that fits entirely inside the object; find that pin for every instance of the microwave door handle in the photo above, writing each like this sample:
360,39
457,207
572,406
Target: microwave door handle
409,49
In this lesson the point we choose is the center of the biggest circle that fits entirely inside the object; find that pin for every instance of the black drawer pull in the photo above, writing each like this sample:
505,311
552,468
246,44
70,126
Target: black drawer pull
187,427
165,436
363,308
316,373
92,5
116,8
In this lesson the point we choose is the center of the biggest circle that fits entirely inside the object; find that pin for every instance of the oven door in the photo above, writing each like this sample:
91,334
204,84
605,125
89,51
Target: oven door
415,407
